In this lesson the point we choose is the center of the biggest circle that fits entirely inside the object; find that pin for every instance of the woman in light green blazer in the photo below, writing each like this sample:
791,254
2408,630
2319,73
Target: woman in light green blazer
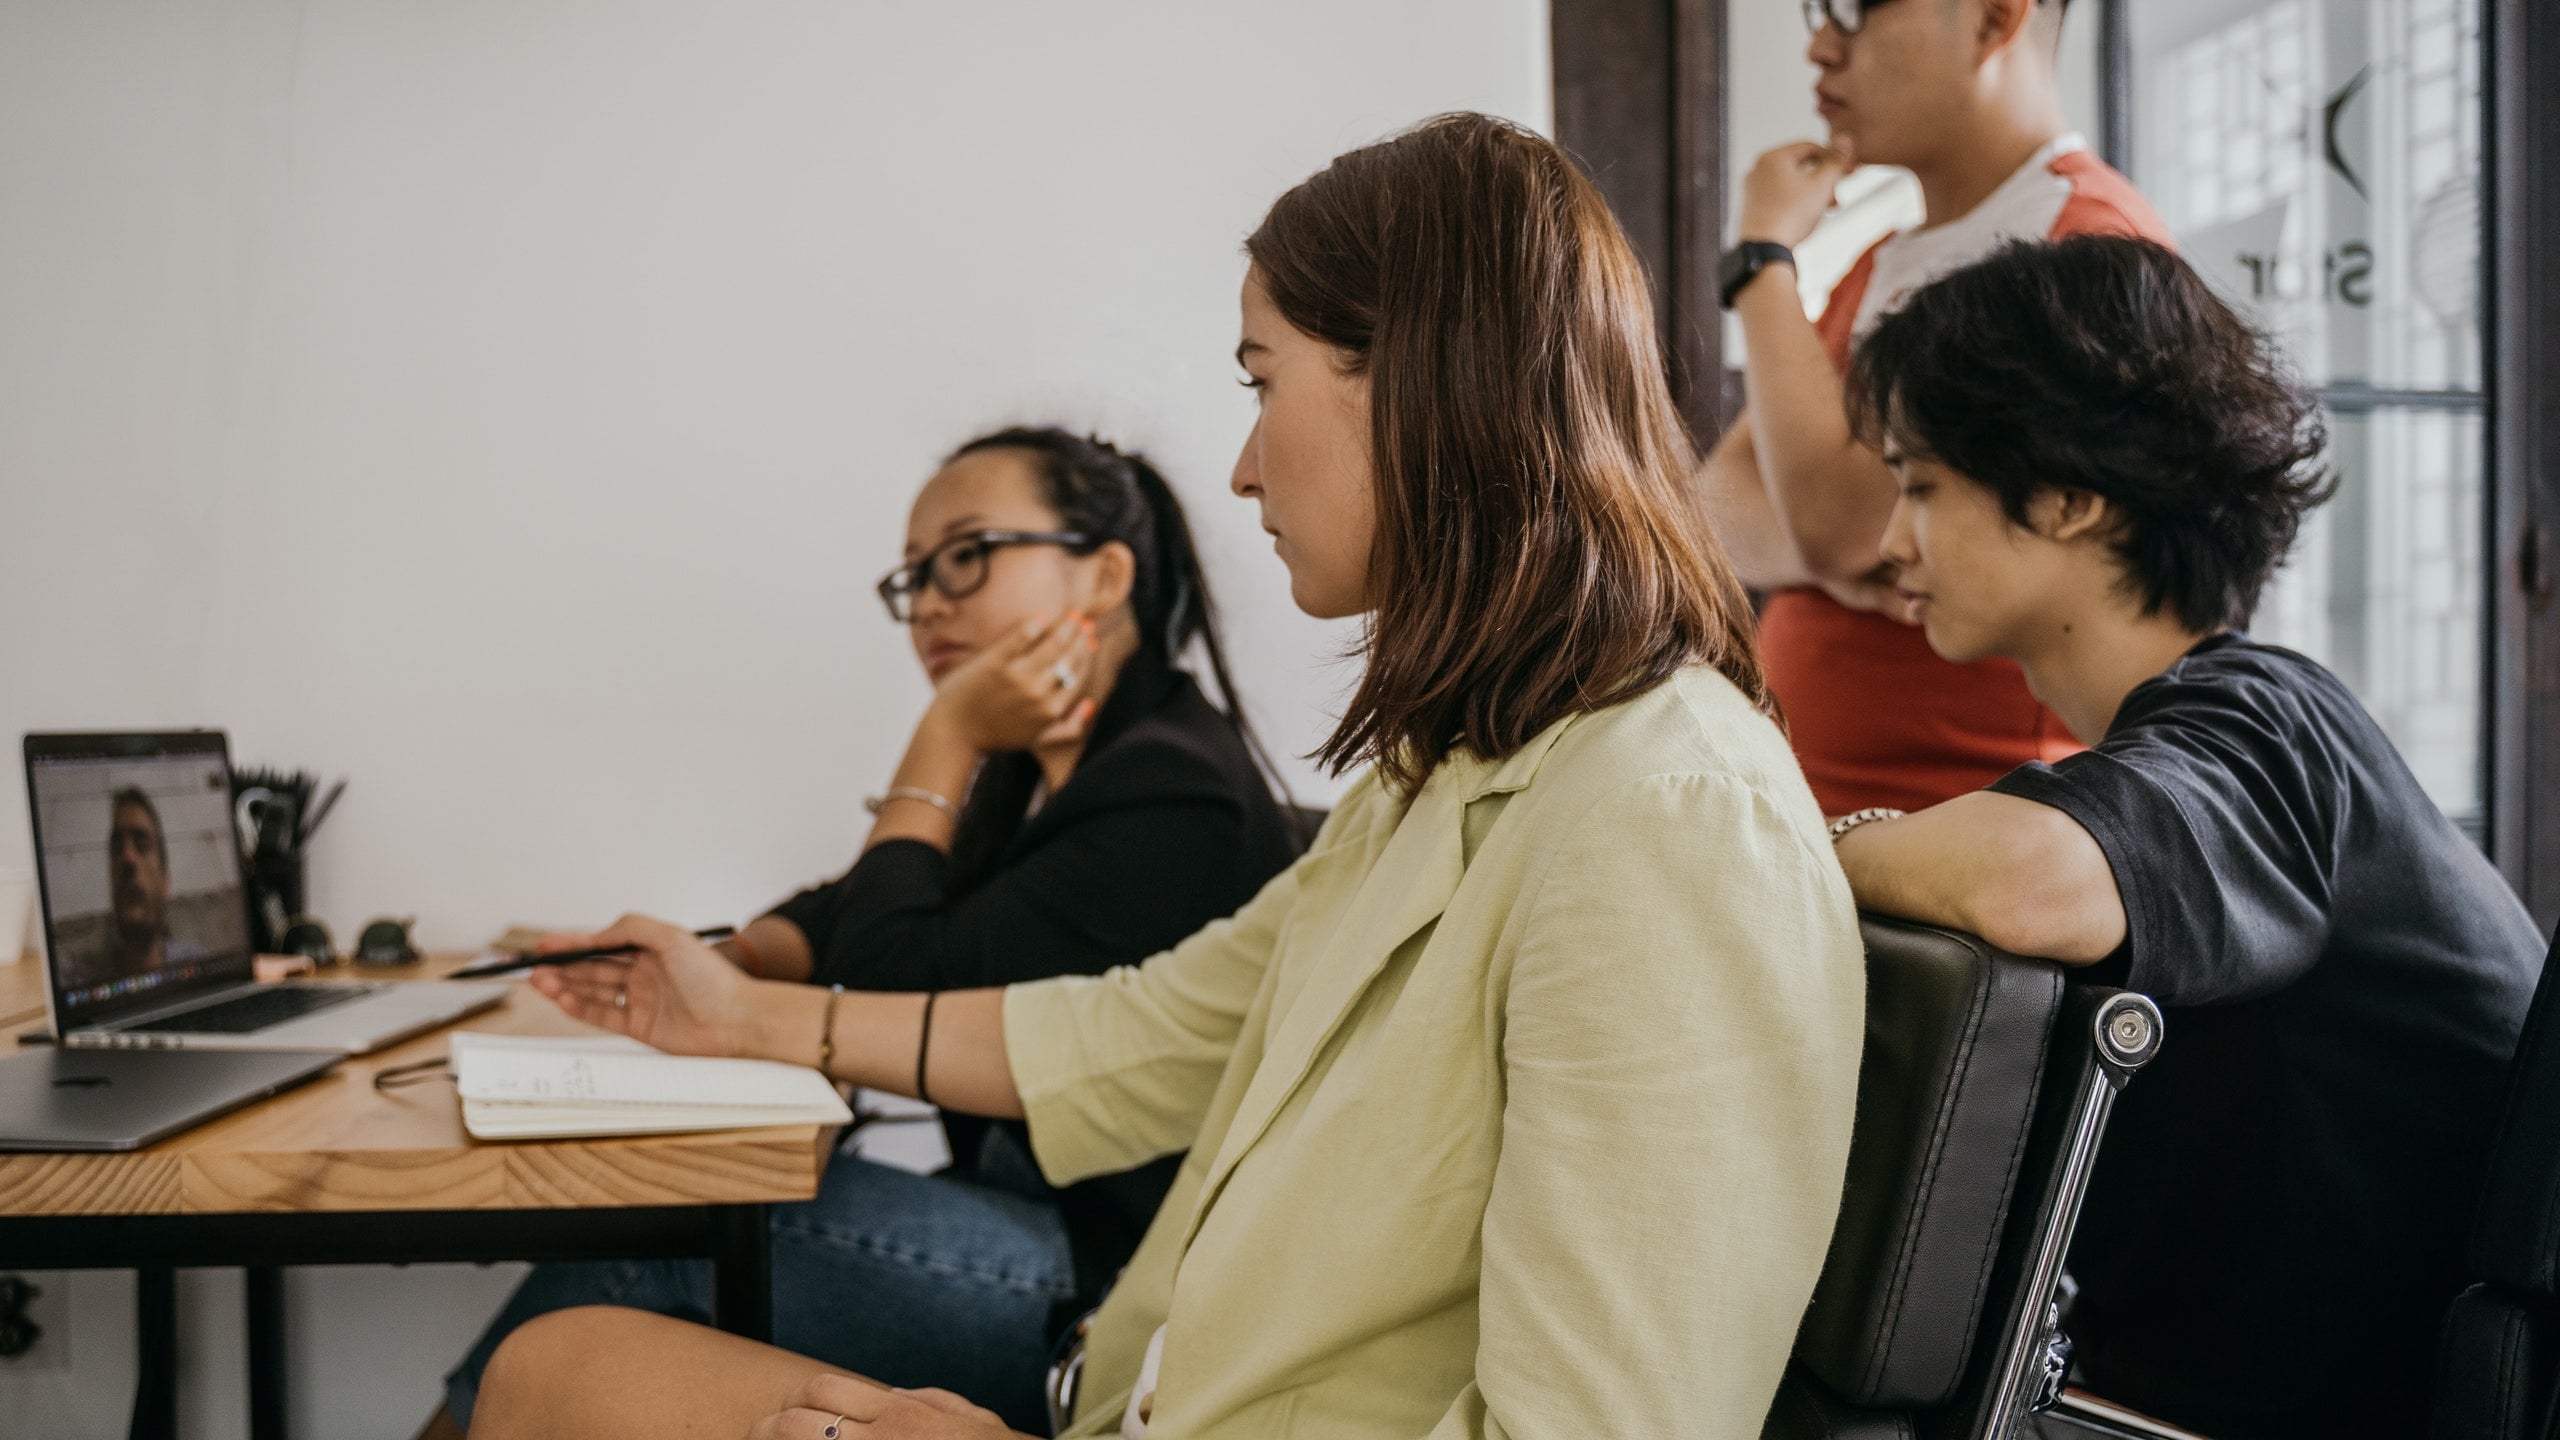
1519,1106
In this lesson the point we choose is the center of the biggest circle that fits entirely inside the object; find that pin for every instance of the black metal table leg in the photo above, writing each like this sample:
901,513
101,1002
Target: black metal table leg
155,1327
742,1272
264,1288
153,1246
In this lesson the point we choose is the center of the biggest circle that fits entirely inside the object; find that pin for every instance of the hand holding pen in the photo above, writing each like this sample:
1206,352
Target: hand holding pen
656,984
510,964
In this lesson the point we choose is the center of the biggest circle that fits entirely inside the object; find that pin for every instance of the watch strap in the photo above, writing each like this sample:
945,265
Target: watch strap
1743,263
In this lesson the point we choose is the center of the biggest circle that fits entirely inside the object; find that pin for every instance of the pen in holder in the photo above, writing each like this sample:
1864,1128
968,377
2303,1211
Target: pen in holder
276,822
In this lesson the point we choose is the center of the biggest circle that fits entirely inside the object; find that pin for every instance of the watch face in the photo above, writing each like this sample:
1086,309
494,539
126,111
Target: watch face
1738,265
1741,263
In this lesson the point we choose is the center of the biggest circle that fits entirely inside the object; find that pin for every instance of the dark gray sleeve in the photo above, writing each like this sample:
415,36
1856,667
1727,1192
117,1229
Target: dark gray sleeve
2222,843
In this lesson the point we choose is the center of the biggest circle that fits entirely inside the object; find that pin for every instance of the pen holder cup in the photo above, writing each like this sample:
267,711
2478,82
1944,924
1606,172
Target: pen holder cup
275,897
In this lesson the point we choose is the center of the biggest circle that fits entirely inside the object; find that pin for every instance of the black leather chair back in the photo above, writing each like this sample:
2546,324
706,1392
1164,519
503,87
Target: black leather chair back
1304,822
1984,1088
2498,1374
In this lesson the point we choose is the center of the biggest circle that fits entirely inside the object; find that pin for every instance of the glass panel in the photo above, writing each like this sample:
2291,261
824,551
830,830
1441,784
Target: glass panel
2384,588
2319,161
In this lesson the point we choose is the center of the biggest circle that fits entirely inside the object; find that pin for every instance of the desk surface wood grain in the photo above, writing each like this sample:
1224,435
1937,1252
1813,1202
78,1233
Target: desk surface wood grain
338,1144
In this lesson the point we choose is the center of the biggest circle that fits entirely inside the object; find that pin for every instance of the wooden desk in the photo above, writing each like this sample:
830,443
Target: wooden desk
338,1144
337,1172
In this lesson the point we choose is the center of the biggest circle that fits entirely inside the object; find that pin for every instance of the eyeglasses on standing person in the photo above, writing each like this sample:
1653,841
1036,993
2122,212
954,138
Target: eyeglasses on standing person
958,566
1849,15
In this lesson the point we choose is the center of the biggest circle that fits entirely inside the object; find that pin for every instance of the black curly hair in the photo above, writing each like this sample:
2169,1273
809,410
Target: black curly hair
2104,364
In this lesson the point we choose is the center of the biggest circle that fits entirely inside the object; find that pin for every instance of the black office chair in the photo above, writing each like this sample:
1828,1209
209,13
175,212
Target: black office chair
2498,1370
2498,1363
1981,1103
1983,1095
1304,822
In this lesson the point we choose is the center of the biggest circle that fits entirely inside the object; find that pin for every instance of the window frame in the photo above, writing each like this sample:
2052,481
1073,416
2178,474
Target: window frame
2520,396
2522,380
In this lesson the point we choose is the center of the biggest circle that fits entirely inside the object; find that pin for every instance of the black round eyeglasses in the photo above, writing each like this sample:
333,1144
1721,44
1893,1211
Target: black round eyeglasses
957,568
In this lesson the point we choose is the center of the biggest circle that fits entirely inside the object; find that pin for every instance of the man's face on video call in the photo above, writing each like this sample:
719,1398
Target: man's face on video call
137,871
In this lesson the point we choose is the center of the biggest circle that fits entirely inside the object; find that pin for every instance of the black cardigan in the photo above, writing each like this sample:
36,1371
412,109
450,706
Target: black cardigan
1164,826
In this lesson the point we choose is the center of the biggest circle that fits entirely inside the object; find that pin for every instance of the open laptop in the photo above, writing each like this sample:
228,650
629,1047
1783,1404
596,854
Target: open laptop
56,1099
146,921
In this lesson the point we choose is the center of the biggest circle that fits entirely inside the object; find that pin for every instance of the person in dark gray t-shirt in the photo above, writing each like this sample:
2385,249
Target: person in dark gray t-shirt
2099,467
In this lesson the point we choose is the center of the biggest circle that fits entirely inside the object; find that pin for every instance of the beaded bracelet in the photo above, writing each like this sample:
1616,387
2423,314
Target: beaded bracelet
1869,816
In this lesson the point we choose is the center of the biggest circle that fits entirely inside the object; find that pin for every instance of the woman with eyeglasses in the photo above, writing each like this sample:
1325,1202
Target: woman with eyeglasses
1070,800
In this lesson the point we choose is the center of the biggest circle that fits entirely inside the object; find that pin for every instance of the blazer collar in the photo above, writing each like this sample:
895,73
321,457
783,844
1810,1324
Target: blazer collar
1409,880
1480,778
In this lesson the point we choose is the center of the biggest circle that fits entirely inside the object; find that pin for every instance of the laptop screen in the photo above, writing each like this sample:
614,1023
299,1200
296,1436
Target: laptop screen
139,870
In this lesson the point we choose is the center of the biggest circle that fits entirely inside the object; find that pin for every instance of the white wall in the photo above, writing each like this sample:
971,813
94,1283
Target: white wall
508,405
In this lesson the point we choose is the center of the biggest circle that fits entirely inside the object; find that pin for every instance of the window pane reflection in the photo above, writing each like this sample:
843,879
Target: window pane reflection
2319,161
2384,588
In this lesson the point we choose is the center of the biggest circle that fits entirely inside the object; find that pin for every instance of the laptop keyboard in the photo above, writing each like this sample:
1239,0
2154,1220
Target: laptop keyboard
268,1005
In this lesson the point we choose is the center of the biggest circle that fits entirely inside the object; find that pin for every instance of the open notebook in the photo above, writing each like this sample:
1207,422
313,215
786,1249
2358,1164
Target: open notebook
523,1087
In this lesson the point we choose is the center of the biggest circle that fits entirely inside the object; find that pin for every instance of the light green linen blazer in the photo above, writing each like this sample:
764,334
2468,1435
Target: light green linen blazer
1520,1109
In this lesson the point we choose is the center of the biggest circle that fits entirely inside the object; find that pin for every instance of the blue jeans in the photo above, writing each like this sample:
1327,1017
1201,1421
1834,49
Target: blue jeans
908,1279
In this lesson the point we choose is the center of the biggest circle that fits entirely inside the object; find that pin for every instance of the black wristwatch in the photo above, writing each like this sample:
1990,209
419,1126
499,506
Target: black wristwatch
1743,263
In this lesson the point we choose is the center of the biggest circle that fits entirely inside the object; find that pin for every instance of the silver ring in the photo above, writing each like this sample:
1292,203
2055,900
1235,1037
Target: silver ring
621,999
1064,674
834,1428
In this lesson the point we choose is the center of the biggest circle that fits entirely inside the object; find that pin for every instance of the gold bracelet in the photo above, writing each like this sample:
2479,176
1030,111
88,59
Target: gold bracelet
827,1031
915,793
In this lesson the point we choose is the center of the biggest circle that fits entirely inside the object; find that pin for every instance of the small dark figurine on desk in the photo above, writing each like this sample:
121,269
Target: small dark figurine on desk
277,820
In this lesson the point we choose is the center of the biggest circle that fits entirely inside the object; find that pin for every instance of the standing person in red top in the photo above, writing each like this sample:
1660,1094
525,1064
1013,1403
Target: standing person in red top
1963,94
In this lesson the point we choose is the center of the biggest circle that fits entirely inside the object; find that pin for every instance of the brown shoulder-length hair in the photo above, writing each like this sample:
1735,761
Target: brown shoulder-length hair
1538,552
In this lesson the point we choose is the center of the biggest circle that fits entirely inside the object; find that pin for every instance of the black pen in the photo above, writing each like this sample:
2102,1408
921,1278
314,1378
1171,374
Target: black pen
527,961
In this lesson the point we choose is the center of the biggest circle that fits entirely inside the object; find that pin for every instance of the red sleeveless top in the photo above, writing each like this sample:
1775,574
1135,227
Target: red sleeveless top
1876,717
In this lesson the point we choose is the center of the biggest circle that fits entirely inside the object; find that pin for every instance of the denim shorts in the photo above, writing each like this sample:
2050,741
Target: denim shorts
912,1280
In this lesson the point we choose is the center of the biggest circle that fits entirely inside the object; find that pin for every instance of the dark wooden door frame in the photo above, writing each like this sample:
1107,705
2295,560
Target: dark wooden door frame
2520,277
1639,100
2115,84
